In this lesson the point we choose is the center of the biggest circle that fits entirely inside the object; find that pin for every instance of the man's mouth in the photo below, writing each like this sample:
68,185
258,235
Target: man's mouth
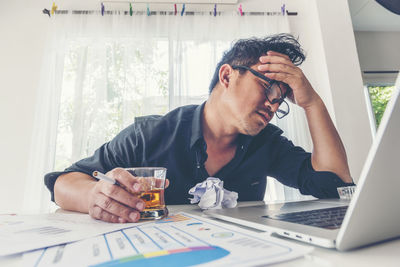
266,116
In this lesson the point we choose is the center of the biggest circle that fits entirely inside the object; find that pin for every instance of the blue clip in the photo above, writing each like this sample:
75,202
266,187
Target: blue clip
148,10
46,11
183,10
130,9
215,10
283,9
102,9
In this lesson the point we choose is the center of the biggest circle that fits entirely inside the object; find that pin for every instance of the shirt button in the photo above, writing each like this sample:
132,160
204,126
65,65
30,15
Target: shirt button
242,147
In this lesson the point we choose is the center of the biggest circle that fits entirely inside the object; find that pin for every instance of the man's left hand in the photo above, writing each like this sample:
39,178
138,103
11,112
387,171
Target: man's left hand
279,67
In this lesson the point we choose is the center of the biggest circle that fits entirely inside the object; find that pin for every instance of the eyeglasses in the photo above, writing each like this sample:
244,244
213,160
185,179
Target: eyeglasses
273,91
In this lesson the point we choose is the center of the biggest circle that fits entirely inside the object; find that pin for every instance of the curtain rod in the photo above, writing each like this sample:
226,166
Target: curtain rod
170,13
166,3
148,12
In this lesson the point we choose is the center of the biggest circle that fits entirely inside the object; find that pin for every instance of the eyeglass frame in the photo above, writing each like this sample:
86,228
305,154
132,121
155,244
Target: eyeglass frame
271,83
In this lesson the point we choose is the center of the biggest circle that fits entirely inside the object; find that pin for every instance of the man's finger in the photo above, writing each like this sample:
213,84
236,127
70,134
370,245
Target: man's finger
114,207
99,214
126,179
275,59
282,68
121,195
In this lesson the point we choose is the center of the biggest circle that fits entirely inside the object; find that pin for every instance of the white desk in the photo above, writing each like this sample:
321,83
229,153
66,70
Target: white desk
386,254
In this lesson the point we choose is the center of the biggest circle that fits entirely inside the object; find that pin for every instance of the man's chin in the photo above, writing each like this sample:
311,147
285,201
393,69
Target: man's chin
253,131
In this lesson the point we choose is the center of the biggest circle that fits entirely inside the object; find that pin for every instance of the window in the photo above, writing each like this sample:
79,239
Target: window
378,97
107,84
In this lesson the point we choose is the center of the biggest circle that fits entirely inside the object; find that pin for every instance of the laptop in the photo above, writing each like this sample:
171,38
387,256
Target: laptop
371,216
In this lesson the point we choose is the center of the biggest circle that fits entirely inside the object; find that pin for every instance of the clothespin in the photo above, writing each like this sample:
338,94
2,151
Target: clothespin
102,9
283,9
183,10
176,10
130,9
240,10
148,10
53,8
46,11
215,10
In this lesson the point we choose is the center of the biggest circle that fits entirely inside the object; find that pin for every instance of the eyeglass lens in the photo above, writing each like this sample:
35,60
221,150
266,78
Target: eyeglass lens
273,92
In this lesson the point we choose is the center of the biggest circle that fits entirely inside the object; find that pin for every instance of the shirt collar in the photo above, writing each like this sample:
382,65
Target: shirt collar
197,129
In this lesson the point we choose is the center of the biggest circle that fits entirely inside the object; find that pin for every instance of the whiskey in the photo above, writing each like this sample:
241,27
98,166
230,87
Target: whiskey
152,182
154,199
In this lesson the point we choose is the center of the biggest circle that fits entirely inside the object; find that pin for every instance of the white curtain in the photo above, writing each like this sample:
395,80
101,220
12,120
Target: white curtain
102,71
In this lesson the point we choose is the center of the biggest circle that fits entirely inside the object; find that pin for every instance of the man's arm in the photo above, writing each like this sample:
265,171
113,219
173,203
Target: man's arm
71,191
77,191
328,152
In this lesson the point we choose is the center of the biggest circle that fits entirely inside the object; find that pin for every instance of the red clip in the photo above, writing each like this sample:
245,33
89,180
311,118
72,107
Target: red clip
240,10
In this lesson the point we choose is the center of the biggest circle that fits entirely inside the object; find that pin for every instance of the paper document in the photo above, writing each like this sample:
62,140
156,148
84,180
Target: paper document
20,233
179,240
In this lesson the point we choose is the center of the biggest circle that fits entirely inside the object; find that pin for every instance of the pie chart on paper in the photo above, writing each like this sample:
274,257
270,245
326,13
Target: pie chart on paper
173,258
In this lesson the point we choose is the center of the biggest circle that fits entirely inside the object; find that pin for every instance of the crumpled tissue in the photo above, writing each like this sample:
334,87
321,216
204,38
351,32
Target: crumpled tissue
211,194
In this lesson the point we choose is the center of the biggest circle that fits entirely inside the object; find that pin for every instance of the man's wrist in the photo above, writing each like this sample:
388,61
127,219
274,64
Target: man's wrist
315,104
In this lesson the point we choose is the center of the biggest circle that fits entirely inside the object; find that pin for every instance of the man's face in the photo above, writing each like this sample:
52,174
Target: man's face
249,105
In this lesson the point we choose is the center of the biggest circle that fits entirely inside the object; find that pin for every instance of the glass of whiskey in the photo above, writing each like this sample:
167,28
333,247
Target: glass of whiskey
152,180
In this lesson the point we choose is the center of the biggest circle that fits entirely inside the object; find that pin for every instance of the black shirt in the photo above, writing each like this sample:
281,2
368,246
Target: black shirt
175,141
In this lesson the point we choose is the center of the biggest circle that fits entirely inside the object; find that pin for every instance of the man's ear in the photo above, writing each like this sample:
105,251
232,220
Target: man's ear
225,72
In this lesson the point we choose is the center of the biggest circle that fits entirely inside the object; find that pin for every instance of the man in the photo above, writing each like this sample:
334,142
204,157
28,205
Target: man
228,136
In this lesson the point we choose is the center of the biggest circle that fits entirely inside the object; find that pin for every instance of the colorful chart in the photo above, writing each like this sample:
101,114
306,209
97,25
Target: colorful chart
178,240
173,258
174,218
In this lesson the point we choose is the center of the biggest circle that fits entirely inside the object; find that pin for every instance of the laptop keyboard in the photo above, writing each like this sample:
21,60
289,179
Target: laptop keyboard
324,218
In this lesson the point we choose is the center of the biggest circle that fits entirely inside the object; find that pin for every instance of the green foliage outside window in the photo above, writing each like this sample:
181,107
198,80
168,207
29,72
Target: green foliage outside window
380,96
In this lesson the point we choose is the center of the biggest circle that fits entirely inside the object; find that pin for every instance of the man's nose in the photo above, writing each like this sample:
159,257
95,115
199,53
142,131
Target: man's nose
272,107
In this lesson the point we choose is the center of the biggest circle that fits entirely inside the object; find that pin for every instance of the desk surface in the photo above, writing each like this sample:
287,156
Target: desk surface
385,254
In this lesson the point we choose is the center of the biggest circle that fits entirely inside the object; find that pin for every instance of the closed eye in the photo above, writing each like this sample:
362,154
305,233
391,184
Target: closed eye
265,85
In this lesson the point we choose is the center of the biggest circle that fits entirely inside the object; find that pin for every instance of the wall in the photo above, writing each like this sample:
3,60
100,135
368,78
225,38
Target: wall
23,33
378,51
24,29
345,82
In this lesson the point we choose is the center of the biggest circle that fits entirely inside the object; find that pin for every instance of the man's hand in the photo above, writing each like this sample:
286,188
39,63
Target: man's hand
280,68
113,203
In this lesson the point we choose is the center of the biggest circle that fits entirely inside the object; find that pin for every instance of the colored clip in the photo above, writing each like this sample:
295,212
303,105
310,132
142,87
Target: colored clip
130,9
183,10
283,9
53,8
215,10
46,11
176,10
148,10
240,10
102,9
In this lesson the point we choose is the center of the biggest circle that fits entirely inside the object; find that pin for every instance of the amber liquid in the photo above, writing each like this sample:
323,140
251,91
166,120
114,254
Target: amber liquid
154,199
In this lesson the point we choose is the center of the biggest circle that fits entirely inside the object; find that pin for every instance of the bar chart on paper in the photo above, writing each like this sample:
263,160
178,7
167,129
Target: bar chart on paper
179,240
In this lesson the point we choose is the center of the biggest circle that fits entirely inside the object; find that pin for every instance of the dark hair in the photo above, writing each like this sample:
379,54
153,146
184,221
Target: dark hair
248,51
